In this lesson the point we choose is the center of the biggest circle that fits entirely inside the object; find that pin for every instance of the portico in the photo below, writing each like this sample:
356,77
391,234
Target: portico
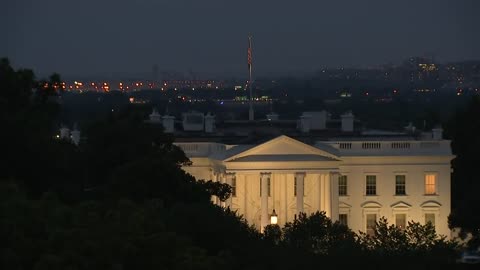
258,193
282,175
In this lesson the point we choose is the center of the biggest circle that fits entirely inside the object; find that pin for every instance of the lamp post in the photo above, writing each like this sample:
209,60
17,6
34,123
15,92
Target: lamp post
273,218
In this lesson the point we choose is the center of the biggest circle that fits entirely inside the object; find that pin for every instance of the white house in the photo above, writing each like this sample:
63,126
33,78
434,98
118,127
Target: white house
353,181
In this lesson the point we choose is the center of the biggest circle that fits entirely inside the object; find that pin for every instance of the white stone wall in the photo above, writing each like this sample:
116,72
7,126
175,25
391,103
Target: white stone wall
415,194
321,185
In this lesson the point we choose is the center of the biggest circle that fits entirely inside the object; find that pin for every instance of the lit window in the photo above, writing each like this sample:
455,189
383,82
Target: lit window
371,223
234,186
268,186
400,185
342,185
430,218
371,187
430,187
401,221
343,219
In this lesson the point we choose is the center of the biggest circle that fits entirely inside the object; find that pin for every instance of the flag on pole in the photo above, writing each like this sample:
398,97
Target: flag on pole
249,52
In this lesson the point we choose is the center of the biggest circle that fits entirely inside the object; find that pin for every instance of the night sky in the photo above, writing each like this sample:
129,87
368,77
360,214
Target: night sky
92,37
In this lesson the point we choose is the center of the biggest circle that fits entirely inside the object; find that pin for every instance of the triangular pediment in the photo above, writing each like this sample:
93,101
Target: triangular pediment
430,204
344,205
371,204
400,205
283,146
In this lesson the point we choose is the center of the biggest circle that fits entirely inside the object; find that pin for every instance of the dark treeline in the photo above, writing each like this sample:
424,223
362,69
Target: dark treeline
120,200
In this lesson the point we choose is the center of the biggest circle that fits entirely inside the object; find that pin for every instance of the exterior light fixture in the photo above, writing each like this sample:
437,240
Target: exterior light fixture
274,218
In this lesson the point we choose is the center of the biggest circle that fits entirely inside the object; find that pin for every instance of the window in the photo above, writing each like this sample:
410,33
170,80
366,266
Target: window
268,186
371,223
342,185
343,219
400,185
430,218
430,184
234,186
401,221
371,185
295,187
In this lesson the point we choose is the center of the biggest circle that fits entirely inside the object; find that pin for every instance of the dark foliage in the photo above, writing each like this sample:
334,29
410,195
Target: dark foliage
120,200
463,130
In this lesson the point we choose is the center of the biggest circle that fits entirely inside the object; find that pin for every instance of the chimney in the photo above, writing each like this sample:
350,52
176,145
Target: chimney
305,123
347,122
168,124
410,128
437,133
155,117
64,132
209,123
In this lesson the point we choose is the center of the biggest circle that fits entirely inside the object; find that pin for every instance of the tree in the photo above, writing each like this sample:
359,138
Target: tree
463,129
27,141
273,234
318,234
414,243
220,190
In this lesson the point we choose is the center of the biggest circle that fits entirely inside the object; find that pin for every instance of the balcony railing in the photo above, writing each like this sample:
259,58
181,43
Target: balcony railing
390,147
201,149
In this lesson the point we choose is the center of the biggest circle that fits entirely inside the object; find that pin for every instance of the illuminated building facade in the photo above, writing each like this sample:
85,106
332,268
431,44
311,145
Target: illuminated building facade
353,181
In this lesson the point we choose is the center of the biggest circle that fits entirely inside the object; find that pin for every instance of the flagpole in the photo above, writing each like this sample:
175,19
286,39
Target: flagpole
249,56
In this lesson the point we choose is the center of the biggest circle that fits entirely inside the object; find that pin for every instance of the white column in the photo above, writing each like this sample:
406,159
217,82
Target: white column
322,192
325,195
299,178
328,195
264,200
245,197
334,196
319,193
285,198
214,198
229,177
219,179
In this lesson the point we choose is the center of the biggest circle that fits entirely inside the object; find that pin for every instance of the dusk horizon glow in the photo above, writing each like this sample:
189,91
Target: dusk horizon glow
116,38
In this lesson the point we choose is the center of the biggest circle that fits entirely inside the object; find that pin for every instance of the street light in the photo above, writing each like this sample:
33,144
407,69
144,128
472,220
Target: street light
273,218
